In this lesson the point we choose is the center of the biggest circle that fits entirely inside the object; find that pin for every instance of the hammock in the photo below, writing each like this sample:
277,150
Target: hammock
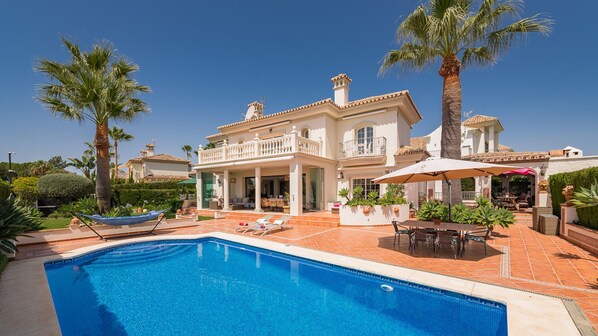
125,220
120,221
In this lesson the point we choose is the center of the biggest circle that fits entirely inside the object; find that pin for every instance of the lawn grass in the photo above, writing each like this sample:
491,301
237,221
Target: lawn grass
202,218
54,223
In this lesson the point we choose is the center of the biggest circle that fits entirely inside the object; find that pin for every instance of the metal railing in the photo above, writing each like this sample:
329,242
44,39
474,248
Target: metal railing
286,144
469,195
368,147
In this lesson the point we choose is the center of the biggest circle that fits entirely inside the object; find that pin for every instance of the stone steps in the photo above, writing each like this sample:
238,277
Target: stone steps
325,219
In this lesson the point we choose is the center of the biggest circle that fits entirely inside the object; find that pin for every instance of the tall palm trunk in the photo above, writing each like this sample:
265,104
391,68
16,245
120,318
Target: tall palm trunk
115,159
450,140
103,191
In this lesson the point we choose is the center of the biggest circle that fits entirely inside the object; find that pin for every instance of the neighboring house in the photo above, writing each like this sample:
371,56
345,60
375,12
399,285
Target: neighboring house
308,152
157,167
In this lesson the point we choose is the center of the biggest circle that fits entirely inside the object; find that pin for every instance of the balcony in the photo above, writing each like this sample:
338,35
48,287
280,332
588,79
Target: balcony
287,144
370,151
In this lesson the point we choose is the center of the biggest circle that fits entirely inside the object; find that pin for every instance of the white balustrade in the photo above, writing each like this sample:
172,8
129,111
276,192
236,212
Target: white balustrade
287,144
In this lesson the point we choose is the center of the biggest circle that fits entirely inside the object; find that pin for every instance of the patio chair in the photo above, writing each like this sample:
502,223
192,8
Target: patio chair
480,236
399,230
444,238
262,221
418,235
277,224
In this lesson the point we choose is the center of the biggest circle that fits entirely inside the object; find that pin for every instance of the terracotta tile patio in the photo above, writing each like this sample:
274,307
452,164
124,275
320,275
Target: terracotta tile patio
518,257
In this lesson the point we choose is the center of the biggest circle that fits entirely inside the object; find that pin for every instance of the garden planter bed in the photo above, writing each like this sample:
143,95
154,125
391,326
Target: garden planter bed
581,236
378,214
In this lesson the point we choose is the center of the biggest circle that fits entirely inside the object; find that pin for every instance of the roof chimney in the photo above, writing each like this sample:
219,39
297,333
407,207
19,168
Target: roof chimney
254,110
149,149
341,89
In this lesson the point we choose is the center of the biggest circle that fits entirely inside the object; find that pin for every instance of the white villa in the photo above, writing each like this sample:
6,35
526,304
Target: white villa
308,152
157,167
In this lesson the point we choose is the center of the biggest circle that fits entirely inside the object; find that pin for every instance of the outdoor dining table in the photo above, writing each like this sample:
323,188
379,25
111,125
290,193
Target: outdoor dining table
462,229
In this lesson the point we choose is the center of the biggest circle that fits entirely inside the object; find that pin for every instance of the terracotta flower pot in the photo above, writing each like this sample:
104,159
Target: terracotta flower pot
396,210
366,210
436,221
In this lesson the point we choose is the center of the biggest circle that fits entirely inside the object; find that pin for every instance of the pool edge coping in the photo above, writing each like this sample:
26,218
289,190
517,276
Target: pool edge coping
551,318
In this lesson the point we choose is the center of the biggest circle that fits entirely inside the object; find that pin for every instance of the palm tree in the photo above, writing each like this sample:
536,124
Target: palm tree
96,86
118,134
187,149
86,165
456,34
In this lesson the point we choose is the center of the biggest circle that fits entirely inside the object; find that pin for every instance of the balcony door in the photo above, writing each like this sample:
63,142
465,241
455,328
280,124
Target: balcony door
365,140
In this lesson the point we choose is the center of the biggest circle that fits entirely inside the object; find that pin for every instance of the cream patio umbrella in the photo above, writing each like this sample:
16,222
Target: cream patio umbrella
437,169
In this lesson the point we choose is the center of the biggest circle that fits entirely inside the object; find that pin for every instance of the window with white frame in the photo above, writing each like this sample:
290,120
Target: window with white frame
365,139
367,184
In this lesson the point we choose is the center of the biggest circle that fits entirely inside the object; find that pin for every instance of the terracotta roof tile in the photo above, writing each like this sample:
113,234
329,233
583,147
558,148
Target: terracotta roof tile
419,142
159,157
407,150
477,119
375,99
339,76
321,102
498,157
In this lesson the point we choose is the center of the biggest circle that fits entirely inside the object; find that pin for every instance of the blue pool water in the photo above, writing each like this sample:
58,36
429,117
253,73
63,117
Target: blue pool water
215,287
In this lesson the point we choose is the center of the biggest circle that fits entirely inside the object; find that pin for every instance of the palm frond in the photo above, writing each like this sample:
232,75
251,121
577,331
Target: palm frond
477,56
501,39
409,56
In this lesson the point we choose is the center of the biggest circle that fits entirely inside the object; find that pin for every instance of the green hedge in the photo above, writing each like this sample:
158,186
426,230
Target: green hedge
137,197
581,178
154,185
70,186
4,190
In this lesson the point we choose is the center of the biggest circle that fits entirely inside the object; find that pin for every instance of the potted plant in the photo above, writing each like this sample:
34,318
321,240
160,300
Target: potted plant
433,211
568,193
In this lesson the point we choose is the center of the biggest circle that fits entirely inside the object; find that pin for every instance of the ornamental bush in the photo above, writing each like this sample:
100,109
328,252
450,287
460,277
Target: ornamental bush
65,186
26,189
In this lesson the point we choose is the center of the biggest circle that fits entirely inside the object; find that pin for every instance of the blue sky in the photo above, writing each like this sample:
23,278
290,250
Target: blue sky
205,61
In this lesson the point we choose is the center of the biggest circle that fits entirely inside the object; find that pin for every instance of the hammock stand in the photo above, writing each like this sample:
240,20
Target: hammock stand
120,221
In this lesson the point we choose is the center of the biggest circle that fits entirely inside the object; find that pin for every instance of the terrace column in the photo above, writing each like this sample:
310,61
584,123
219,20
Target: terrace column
491,139
295,179
199,189
258,189
308,191
226,190
482,143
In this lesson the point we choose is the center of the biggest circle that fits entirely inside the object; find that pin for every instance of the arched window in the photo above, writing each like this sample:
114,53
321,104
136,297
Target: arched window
365,139
305,133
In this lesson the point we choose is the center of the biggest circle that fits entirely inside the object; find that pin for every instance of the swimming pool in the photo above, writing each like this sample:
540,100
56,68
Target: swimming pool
210,286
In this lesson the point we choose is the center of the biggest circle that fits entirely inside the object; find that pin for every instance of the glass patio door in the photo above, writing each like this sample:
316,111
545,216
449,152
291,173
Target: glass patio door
207,186
365,139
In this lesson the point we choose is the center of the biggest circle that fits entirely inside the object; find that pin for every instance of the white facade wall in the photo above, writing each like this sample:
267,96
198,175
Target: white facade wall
167,169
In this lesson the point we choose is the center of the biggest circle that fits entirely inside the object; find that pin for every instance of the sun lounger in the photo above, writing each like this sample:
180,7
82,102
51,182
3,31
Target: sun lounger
277,224
251,226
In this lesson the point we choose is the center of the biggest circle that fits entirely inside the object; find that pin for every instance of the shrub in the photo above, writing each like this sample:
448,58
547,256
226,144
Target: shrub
15,220
26,189
120,211
432,210
153,185
482,201
65,186
3,262
582,178
85,205
4,190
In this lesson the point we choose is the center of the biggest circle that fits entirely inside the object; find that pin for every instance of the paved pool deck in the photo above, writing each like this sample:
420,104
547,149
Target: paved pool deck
518,257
